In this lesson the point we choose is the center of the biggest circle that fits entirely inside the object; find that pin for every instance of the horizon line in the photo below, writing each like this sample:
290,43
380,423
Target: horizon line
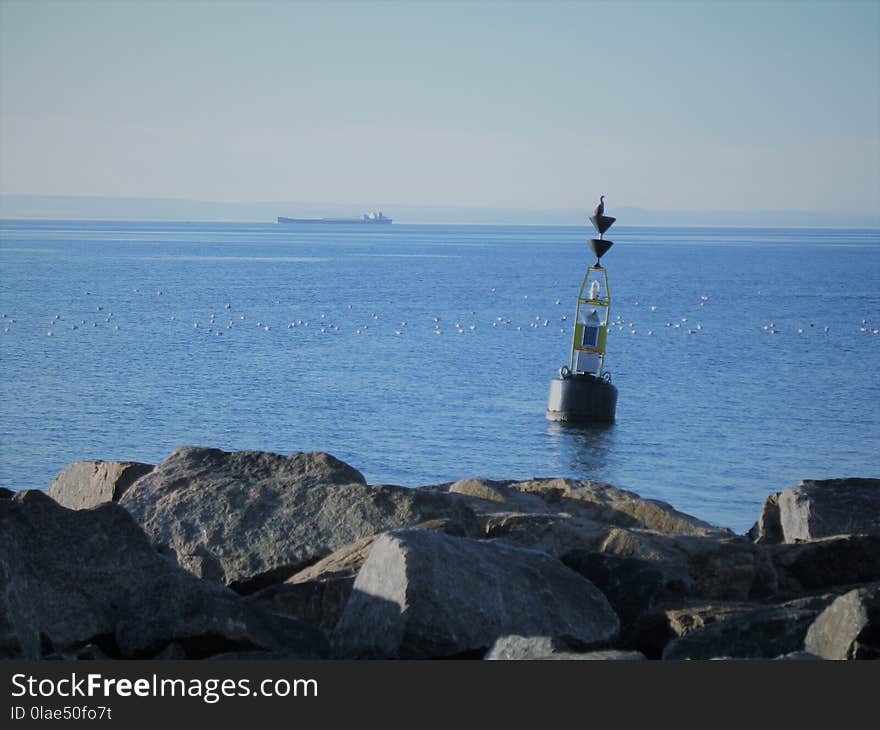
25,207
186,221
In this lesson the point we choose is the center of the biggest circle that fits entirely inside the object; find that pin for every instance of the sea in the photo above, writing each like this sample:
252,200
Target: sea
745,359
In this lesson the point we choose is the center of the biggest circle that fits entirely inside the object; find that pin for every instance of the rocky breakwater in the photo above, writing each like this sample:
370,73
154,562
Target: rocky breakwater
251,554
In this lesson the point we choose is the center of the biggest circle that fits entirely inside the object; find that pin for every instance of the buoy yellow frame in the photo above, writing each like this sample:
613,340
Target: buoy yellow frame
583,300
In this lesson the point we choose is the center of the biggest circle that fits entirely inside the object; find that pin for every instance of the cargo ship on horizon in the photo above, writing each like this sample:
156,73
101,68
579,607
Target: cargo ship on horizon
365,218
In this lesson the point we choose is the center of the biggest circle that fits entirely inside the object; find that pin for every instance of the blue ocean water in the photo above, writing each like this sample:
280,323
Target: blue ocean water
746,359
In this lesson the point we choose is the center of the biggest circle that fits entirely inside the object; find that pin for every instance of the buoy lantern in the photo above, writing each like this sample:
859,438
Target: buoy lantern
583,392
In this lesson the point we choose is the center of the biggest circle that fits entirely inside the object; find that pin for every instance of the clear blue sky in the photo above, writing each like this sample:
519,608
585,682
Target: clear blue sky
667,105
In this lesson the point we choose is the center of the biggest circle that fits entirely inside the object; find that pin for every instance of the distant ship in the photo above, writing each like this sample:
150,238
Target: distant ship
365,218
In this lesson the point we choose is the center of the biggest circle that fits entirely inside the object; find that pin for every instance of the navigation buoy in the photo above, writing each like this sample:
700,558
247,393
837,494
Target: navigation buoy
583,392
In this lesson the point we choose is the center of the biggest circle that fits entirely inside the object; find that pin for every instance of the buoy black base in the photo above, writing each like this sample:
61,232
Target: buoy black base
580,398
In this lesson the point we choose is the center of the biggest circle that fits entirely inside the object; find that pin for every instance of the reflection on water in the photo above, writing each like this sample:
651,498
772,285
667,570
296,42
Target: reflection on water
581,448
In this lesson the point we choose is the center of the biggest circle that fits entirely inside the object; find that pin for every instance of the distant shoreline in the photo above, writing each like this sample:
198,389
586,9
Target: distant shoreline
167,210
585,224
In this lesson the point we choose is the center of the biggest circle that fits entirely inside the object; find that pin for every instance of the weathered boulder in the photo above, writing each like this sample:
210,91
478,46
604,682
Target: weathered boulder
731,569
546,647
654,629
343,563
632,585
526,647
503,494
317,595
640,570
643,572
72,578
424,594
849,628
250,519
6,493
594,501
819,508
825,564
86,484
768,528
555,534
763,632
318,603
727,568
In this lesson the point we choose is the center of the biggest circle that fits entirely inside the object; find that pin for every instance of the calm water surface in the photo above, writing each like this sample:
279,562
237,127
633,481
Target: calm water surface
423,354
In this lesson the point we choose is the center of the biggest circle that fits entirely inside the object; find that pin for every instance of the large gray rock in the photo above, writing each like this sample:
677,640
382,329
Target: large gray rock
731,569
764,632
824,507
86,484
654,629
555,534
727,568
423,594
632,585
643,572
73,578
250,519
768,528
825,564
519,648
594,501
525,647
317,595
317,603
849,628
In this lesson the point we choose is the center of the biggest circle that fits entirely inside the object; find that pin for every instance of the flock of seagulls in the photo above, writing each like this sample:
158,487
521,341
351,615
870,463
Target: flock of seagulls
225,319
772,329
622,325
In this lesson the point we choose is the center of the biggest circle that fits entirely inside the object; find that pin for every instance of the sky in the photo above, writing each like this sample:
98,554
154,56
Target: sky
695,106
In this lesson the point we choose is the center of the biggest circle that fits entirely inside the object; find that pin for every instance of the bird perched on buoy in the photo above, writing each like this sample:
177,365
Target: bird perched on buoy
601,223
